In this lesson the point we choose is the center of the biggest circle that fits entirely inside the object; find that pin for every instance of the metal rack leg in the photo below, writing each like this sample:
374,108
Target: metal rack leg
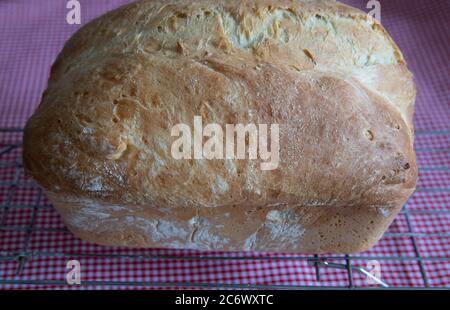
24,256
416,248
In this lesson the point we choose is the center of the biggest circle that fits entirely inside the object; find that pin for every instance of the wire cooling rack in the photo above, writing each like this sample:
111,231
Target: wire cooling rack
35,246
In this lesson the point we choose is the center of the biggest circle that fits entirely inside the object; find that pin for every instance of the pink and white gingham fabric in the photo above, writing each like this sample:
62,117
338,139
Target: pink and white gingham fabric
31,35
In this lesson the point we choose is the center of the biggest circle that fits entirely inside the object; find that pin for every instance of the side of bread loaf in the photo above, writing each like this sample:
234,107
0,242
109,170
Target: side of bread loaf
329,76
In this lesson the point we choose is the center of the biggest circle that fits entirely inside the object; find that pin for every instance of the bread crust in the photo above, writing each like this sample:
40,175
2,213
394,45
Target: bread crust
329,75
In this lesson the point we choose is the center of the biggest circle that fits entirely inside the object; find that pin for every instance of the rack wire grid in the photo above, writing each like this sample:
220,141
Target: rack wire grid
35,246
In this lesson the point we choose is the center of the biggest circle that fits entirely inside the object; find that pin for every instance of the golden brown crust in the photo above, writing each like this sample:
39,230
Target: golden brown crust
329,75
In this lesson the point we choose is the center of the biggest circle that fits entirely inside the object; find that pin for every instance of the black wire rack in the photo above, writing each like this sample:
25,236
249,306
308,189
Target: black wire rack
12,181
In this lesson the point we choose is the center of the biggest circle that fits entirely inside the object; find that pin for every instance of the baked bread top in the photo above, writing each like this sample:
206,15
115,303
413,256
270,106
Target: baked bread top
327,73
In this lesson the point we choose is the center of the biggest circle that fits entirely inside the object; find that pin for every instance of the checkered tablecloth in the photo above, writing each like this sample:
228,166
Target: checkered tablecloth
35,247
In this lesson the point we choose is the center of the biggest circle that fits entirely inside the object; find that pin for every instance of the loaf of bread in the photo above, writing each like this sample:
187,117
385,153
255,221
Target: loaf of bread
329,76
